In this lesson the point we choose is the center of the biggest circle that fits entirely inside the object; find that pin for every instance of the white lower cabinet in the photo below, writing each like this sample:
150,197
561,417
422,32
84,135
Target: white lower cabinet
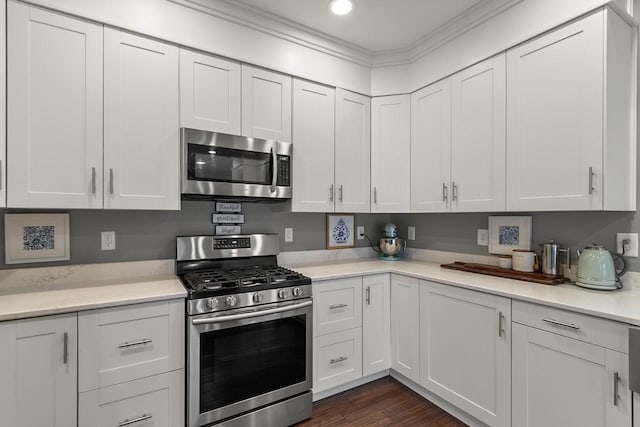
465,350
337,305
405,315
376,324
337,359
38,372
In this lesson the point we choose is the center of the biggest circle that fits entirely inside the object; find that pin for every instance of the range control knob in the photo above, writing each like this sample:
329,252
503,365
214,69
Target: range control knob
212,303
297,292
231,301
282,294
258,297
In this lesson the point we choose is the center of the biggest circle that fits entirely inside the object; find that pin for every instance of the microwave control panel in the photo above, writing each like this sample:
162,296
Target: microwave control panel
284,171
232,243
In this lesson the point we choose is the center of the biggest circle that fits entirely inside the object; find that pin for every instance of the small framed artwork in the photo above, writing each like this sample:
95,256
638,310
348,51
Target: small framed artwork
340,231
36,238
507,233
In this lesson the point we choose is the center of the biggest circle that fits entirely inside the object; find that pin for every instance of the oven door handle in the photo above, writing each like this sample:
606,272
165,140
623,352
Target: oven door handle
274,171
250,315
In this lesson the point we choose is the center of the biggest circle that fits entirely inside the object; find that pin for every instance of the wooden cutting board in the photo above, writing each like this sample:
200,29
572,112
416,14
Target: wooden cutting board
492,270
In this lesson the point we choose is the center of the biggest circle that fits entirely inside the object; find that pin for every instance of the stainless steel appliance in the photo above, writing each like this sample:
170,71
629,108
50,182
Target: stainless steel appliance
222,165
634,359
390,245
249,333
550,257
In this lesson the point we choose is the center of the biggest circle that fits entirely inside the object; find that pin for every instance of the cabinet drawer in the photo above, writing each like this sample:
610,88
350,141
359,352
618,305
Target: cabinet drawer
131,342
156,401
602,332
337,305
337,359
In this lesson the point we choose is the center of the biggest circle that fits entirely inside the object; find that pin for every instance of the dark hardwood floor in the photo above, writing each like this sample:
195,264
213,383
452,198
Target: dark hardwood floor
384,402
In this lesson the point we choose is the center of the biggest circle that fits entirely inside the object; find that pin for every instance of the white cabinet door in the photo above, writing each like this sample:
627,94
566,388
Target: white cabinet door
352,152
209,93
636,409
54,98
266,104
141,156
431,148
337,359
376,325
465,350
38,372
337,305
313,144
478,120
405,315
555,119
3,105
560,381
390,153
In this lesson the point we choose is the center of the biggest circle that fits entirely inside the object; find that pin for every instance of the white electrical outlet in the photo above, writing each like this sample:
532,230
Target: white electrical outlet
627,244
108,240
483,237
411,233
360,232
288,234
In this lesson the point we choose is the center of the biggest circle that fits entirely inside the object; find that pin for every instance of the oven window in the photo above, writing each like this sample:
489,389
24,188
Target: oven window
208,163
247,361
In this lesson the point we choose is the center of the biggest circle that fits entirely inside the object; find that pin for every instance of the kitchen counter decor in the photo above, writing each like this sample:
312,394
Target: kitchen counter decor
492,270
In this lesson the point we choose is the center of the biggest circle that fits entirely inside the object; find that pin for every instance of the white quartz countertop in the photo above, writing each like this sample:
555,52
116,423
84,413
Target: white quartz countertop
41,300
621,305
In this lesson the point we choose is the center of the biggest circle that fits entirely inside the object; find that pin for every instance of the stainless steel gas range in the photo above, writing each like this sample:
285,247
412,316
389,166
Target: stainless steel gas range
249,333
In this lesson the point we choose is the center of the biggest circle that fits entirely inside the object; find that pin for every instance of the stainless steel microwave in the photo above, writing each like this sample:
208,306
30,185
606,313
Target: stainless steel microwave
221,165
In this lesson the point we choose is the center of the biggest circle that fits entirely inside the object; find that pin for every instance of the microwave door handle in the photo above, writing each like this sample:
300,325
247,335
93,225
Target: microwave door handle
274,171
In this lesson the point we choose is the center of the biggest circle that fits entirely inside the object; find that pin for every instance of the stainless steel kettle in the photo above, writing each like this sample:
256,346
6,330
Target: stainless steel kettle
596,268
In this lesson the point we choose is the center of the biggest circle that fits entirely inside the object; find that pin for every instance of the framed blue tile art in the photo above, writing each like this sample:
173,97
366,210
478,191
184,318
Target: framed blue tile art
36,238
507,233
340,231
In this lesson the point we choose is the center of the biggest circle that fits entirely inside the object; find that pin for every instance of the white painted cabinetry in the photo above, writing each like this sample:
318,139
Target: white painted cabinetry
141,156
405,317
54,116
209,93
337,305
266,104
313,147
465,350
571,118
390,153
3,105
376,324
38,372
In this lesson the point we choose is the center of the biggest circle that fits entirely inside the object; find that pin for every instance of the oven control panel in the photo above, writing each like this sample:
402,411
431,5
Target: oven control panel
232,243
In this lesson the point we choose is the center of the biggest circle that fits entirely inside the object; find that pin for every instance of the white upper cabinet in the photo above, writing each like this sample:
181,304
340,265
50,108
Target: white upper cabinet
141,156
431,148
571,119
54,98
390,153
209,93
478,137
266,104
313,145
352,152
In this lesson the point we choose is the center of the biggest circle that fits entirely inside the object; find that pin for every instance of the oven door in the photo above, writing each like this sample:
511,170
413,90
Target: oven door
245,359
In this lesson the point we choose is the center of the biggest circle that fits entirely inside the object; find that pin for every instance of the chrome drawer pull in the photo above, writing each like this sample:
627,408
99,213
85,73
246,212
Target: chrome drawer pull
616,381
65,351
143,417
134,343
563,324
338,360
337,306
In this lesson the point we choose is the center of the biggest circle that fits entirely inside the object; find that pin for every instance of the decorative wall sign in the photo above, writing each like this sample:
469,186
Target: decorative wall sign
226,218
36,238
228,207
340,231
225,230
507,233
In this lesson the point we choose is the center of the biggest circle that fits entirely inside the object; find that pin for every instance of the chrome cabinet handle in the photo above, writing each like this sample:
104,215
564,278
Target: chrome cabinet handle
331,193
340,194
500,327
616,382
0,174
128,422
368,295
444,192
65,350
591,180
93,180
563,324
134,343
111,181
338,360
375,195
454,192
251,314
274,179
337,306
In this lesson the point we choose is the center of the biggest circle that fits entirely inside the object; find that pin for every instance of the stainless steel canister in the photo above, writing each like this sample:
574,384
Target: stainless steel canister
550,258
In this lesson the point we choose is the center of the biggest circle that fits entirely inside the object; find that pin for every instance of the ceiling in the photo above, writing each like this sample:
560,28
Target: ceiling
377,26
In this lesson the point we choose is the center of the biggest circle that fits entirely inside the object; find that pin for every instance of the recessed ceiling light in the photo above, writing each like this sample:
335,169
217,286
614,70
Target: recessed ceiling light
340,7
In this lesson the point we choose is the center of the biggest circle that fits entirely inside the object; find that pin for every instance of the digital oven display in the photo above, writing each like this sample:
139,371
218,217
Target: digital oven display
232,243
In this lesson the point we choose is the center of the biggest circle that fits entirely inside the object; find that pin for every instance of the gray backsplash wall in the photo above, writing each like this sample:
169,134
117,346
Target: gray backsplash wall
148,235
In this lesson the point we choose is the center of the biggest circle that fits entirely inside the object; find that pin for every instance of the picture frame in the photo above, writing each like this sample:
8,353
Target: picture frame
36,238
507,233
340,231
